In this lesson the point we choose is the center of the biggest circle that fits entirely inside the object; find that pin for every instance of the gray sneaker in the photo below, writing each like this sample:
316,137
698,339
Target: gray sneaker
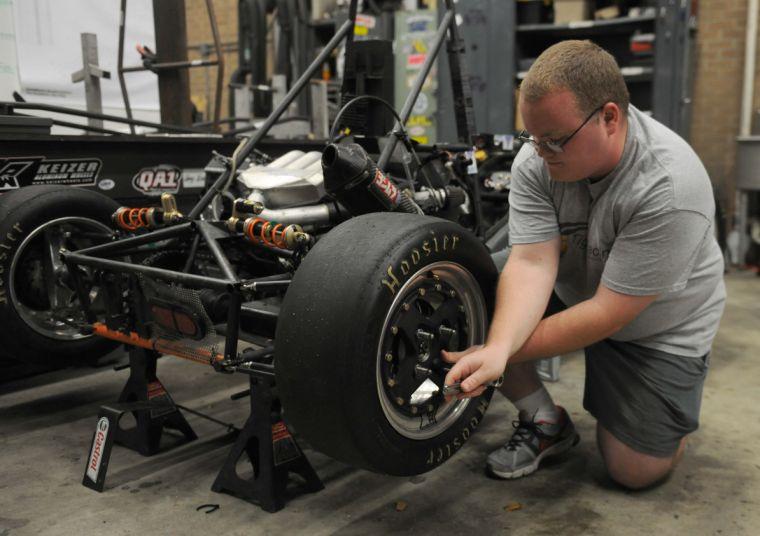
532,442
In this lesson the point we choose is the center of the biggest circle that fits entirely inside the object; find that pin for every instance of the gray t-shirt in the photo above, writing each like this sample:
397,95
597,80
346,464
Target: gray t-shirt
646,228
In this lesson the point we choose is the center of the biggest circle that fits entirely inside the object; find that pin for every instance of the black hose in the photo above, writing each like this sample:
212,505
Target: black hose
353,101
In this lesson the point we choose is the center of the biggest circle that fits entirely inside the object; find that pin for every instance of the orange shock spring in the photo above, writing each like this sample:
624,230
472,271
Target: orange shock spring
249,229
124,219
264,233
279,239
142,217
119,218
132,219
269,233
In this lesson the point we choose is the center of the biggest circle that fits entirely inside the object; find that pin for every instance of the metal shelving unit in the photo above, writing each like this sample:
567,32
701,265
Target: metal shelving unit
496,44
601,26
488,29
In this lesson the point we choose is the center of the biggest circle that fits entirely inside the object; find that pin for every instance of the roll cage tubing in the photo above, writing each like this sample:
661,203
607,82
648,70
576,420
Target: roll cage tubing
232,284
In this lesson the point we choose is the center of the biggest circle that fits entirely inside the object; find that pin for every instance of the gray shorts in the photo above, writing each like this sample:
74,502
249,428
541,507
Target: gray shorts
646,398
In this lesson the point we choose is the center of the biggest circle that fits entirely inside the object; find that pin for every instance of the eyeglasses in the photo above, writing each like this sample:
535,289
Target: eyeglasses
555,146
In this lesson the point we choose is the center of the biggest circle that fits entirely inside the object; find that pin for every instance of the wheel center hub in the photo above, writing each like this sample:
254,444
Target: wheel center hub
432,317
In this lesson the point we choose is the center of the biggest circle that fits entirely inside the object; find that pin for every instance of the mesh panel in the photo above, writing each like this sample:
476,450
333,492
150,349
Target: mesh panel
208,347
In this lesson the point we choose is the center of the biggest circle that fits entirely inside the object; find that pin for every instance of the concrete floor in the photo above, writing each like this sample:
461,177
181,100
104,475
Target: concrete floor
46,424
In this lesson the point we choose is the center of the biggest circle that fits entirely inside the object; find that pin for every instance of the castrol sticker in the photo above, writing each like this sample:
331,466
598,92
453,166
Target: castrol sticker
96,454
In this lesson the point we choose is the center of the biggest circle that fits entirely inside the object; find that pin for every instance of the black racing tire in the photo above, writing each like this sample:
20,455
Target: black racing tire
31,220
340,366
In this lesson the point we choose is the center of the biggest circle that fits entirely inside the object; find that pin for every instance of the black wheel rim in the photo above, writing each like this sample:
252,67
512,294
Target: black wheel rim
439,307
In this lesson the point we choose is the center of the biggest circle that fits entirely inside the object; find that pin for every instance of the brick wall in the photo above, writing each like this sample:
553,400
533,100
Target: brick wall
203,79
718,90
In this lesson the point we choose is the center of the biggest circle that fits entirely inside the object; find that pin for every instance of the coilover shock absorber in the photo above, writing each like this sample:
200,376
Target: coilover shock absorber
262,231
131,219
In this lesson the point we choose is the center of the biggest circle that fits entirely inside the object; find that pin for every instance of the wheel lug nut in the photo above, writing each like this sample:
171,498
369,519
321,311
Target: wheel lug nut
400,401
436,277
414,410
461,308
423,335
394,330
448,332
406,307
452,293
422,292
422,372
391,382
438,287
430,408
389,357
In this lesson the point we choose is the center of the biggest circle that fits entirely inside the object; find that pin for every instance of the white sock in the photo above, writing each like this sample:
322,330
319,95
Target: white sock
539,406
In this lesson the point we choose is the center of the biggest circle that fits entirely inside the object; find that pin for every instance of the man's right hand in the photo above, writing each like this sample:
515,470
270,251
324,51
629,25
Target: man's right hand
525,285
475,367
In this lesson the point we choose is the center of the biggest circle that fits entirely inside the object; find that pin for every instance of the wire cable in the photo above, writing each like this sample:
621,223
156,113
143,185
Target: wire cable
402,134
353,101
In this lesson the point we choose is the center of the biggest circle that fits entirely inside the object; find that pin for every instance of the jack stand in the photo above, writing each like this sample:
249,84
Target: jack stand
145,397
273,452
144,386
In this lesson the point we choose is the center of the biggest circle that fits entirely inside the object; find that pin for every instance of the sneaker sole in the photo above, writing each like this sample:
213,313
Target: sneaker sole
554,450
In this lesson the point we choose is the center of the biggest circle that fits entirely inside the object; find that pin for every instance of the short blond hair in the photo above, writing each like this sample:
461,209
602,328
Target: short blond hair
585,69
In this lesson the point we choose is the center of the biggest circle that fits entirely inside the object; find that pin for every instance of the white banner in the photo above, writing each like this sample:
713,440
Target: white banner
8,72
49,50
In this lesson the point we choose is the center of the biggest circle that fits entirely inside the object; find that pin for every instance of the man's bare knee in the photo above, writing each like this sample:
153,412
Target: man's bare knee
630,468
634,477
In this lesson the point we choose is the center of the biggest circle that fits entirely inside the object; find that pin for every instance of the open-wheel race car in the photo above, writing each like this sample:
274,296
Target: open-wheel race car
342,273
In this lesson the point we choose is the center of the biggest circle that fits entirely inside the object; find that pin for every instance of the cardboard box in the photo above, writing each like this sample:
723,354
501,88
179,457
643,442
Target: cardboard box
519,125
606,13
571,10
320,9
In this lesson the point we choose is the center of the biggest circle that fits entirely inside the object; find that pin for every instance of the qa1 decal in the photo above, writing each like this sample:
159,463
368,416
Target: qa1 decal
158,180
25,171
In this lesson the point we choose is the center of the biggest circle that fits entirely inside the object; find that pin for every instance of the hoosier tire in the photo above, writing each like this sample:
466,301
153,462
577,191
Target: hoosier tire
362,326
36,222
